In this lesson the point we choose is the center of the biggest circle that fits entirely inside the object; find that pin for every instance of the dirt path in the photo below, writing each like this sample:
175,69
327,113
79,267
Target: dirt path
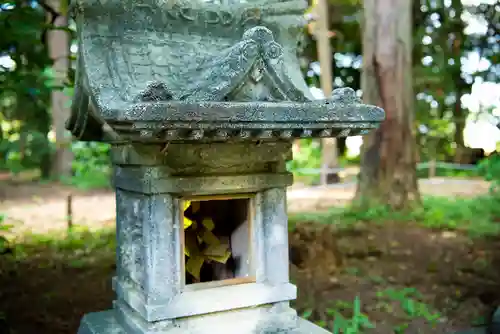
39,208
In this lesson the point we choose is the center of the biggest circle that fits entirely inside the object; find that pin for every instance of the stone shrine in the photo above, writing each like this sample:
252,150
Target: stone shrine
201,101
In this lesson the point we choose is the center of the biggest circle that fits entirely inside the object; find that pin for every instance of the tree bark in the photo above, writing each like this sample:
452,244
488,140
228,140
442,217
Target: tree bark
58,41
457,25
388,156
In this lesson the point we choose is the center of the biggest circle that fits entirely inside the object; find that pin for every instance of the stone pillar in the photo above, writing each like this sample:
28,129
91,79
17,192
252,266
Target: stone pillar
275,230
148,261
148,233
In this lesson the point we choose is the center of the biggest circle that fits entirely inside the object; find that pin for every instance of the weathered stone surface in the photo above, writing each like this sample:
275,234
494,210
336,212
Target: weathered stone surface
192,71
247,321
206,158
492,327
147,253
204,301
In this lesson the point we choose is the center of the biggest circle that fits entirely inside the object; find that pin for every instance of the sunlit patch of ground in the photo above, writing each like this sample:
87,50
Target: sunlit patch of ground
38,208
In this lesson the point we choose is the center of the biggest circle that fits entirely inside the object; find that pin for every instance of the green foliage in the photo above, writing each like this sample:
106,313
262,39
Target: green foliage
344,317
405,303
355,324
490,170
22,148
307,156
447,172
476,216
79,247
440,49
409,300
25,86
91,165
4,243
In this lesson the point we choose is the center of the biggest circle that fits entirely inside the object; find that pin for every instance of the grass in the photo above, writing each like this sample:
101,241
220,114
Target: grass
73,246
90,179
477,216
349,174
348,317
423,173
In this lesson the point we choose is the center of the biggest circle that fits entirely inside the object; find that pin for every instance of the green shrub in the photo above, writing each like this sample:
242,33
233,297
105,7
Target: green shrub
4,243
91,165
490,170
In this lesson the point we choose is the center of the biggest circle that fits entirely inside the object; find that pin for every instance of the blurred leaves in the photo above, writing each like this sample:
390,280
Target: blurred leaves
26,83
441,46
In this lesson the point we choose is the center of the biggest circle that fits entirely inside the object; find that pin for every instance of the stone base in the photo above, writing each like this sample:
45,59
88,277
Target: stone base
478,330
110,322
494,327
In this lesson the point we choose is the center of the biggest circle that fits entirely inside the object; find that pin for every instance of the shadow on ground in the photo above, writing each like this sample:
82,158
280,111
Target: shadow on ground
49,291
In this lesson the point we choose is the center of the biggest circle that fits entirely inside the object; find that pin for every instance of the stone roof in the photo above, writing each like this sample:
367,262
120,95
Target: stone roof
154,69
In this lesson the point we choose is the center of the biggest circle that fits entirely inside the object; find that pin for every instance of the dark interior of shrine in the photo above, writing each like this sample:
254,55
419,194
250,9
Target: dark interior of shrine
217,240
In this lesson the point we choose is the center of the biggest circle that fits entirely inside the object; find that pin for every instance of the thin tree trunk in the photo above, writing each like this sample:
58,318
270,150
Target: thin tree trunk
462,153
388,159
58,41
43,127
329,158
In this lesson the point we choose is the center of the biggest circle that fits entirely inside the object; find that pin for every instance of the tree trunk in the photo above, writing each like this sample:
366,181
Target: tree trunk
43,126
58,41
388,158
329,157
462,153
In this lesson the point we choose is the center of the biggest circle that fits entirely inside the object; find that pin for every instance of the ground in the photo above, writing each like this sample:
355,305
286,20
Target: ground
452,274
47,288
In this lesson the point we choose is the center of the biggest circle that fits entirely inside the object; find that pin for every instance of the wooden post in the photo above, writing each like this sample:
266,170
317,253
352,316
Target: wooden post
321,32
433,157
432,168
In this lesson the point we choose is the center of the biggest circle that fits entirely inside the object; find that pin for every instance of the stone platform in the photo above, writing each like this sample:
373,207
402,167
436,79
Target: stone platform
493,329
109,322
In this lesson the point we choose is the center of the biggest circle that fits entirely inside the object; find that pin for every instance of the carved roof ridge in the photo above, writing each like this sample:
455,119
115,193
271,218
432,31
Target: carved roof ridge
234,66
268,7
257,51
